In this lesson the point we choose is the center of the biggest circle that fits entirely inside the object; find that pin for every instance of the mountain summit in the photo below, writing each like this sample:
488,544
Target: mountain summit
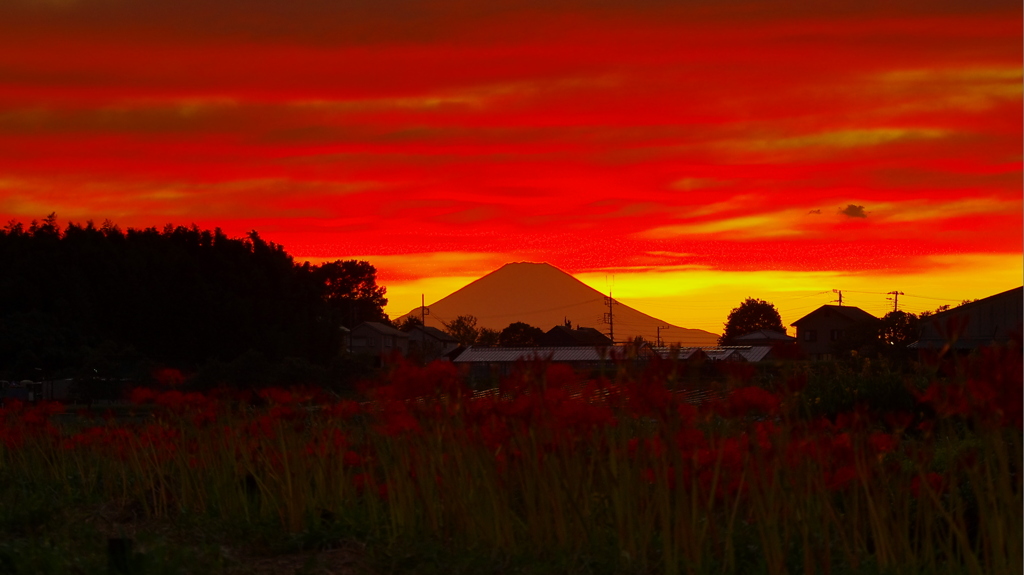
544,296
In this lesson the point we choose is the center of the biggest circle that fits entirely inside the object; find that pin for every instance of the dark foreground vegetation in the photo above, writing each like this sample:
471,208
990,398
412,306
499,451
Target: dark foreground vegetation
819,468
90,302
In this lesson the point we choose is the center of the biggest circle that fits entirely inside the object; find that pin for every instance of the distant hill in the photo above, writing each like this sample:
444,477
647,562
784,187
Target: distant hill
545,296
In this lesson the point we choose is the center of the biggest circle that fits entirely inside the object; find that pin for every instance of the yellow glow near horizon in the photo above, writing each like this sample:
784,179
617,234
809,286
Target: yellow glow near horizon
702,298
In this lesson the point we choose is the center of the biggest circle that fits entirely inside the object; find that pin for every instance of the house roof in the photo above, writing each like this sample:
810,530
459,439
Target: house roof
512,354
766,334
1015,293
993,317
755,353
751,353
435,333
850,313
683,353
381,328
580,336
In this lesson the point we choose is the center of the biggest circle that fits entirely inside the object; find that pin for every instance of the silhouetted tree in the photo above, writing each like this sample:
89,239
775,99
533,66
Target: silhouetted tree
121,302
520,334
487,337
750,316
463,328
409,322
899,329
350,288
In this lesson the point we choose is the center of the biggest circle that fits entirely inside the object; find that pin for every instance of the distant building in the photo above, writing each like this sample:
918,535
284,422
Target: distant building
564,336
746,353
378,339
427,344
489,364
988,321
819,332
764,337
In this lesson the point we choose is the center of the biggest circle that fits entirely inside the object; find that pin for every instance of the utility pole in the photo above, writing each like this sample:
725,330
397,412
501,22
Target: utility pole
609,318
840,292
660,327
424,312
895,299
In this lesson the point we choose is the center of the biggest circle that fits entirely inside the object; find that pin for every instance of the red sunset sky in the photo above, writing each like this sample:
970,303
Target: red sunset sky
686,154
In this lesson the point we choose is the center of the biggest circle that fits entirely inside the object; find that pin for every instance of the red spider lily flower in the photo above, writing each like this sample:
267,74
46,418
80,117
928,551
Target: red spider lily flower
360,481
841,478
649,398
285,412
932,480
342,409
263,426
560,376
842,447
898,420
142,395
493,433
882,442
687,413
38,416
407,380
856,420
738,371
352,459
689,439
796,383
278,396
947,400
173,400
398,421
653,446
575,414
748,401
168,376
162,439
764,432
733,451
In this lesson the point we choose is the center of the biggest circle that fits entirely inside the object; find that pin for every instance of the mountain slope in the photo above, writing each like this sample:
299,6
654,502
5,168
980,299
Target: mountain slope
545,296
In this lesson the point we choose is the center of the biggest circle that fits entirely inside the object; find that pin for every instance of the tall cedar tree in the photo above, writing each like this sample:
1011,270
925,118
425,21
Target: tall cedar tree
88,299
750,316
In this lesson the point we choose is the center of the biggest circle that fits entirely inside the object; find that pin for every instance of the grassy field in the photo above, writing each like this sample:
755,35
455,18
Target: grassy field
839,468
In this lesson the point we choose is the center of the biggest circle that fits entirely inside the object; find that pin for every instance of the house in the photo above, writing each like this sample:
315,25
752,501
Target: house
819,332
764,337
565,336
427,344
687,354
488,364
378,339
992,320
747,353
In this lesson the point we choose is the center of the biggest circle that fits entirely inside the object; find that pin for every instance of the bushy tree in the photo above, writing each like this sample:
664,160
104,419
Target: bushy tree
898,329
463,328
409,323
96,299
751,315
520,334
350,288
487,337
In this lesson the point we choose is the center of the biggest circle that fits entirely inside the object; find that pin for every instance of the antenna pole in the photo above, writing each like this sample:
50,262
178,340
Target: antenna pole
609,318
895,299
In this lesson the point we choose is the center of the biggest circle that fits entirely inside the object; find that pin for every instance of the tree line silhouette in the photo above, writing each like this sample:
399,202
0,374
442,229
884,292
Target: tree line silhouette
106,302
